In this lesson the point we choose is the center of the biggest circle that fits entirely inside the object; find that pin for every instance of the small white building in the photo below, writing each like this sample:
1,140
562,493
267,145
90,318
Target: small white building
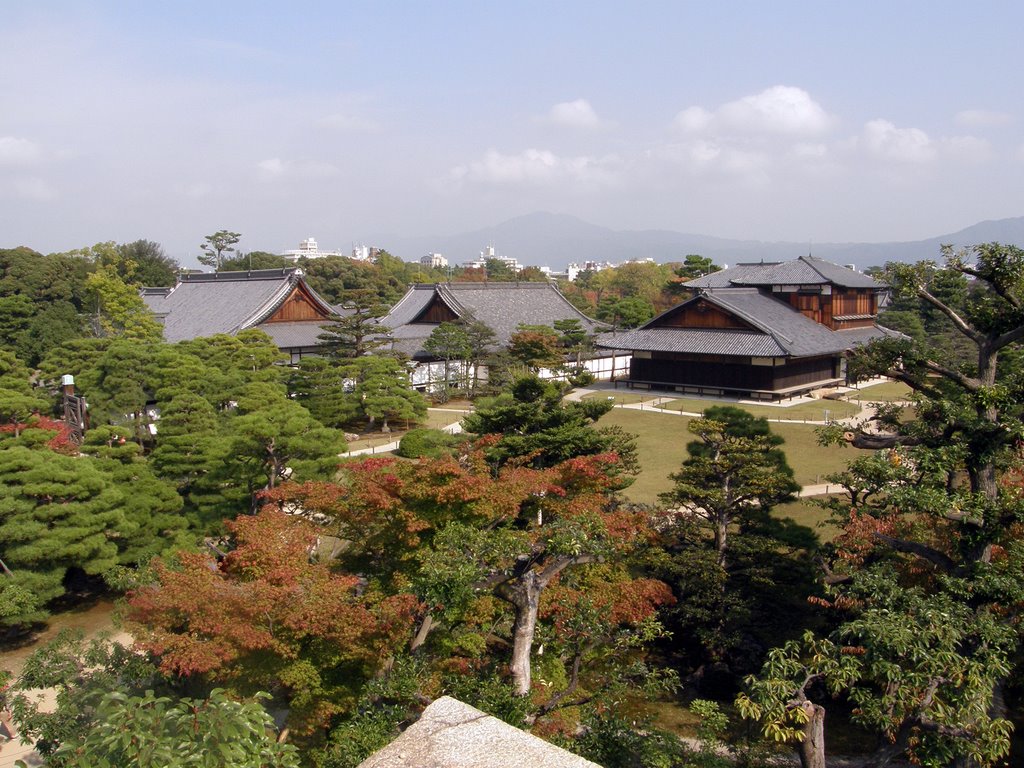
434,261
308,249
488,254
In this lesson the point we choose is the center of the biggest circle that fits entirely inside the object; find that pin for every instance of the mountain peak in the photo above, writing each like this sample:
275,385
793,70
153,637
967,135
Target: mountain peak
550,239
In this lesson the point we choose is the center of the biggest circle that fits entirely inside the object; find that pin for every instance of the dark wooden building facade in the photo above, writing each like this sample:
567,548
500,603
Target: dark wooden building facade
761,330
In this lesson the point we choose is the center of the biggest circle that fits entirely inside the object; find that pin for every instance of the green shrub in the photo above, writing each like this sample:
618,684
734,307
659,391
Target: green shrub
432,443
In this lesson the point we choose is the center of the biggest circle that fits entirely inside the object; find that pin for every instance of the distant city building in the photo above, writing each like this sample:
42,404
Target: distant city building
363,252
569,273
434,261
591,266
308,249
489,254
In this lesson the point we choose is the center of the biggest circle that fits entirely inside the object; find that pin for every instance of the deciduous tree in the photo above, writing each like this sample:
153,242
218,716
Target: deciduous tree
268,616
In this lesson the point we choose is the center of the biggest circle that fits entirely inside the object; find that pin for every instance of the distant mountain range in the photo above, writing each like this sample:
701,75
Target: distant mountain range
558,239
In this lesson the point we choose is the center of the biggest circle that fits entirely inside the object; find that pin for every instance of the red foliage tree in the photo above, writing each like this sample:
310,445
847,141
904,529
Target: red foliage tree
267,616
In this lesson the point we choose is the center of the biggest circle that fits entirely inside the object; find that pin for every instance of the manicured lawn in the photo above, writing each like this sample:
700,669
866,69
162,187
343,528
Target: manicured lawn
662,439
810,461
439,418
805,512
881,393
813,411
620,397
661,443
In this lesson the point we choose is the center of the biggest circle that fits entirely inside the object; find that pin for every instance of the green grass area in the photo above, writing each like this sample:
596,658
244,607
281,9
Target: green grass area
810,461
661,444
881,393
662,439
806,512
438,418
817,410
627,398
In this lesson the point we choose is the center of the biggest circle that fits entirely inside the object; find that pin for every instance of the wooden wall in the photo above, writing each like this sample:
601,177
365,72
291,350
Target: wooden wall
824,308
436,312
736,374
701,314
298,306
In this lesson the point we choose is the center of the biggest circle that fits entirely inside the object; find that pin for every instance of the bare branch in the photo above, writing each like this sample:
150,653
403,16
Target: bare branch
574,679
559,564
1000,290
963,517
967,382
961,324
1016,334
831,577
923,551
877,442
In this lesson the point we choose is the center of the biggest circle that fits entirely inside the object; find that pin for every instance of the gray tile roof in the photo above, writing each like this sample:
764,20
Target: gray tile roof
500,306
806,270
696,342
781,331
298,333
204,304
450,733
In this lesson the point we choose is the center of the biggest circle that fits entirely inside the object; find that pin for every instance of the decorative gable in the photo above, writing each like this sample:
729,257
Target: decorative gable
700,313
437,311
299,305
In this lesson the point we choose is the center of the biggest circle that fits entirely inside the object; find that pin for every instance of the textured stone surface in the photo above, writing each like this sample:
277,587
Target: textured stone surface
451,734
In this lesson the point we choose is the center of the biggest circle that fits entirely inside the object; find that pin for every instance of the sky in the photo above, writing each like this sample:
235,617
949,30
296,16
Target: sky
352,121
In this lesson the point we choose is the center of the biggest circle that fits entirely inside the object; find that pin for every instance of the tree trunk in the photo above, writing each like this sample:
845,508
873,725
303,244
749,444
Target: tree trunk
421,634
812,749
721,539
524,594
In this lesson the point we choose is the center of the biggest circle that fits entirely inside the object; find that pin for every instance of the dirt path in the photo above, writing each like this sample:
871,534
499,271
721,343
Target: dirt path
92,621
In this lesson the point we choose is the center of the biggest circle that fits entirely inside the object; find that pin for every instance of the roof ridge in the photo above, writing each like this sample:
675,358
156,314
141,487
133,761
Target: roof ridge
446,295
809,261
238,275
760,324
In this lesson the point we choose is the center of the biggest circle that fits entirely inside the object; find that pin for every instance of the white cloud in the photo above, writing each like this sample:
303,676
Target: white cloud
981,118
693,119
196,191
275,167
710,156
576,114
534,166
31,188
781,110
883,139
809,150
15,151
969,149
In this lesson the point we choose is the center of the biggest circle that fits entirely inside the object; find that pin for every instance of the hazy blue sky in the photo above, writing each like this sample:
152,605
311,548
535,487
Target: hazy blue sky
820,121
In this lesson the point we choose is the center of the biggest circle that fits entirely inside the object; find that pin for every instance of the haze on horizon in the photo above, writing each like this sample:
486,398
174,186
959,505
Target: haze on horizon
773,121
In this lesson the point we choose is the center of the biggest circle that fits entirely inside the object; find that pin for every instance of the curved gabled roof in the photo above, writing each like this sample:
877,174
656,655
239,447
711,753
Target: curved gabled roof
204,304
778,330
503,307
806,270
